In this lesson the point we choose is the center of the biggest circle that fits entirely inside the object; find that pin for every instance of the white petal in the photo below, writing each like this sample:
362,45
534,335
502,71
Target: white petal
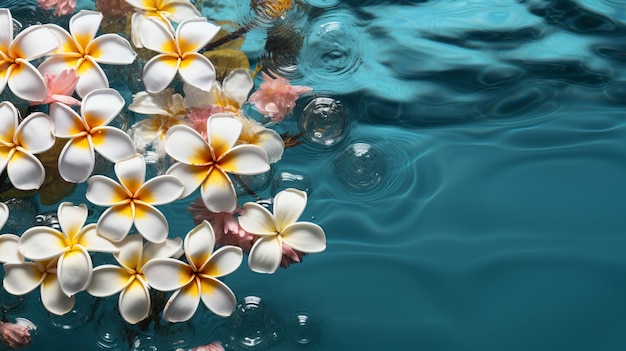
186,145
89,238
8,120
271,143
130,251
103,191
131,173
160,190
59,63
183,303
151,104
92,77
71,218
6,29
169,248
21,278
33,42
53,298
84,26
26,82
224,260
159,72
190,176
74,271
218,192
151,223
112,143
134,303
8,248
115,223
167,274
256,219
217,297
288,206
42,243
108,280
180,10
67,123
35,133
305,237
193,34
223,130
199,244
65,40
196,70
77,160
245,159
4,214
111,49
101,106
266,254
157,36
25,171
237,85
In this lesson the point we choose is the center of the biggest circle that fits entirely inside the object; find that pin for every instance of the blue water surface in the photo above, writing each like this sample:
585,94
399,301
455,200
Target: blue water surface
470,177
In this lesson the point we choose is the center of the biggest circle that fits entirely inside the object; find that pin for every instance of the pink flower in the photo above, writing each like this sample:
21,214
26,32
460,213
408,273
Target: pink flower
60,88
276,97
199,115
290,256
63,7
214,346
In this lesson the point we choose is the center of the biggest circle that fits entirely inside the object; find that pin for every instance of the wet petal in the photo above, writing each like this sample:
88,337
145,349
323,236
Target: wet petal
183,303
89,238
33,42
42,243
217,297
288,206
160,190
159,72
77,160
21,278
92,77
305,237
111,49
167,274
4,214
169,248
8,120
71,218
6,29
66,42
67,123
193,34
112,143
84,26
134,303
53,298
130,251
115,223
151,223
223,130
59,63
26,82
25,171
186,145
196,70
108,280
157,36
245,159
190,176
101,106
237,85
151,104
218,192
224,260
103,191
271,143
199,244
266,254
256,219
35,133
131,173
74,271
8,248
180,10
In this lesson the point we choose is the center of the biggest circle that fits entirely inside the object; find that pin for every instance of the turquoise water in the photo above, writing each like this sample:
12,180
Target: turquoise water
473,201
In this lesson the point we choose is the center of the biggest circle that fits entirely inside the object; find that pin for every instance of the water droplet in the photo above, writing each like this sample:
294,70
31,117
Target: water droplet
324,122
360,167
302,330
287,179
252,326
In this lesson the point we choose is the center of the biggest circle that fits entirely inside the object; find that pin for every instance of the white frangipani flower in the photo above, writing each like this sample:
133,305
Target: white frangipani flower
71,246
197,279
230,95
82,51
128,277
280,228
178,53
133,200
19,143
89,131
15,69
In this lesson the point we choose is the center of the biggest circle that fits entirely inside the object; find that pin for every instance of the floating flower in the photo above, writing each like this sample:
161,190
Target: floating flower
268,140
89,131
71,246
279,229
83,52
19,143
230,96
128,277
61,7
197,279
8,242
133,201
178,53
207,162
33,42
60,88
276,98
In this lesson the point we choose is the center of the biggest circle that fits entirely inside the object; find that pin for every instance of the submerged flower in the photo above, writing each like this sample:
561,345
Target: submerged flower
62,7
207,162
133,201
60,88
71,246
128,277
89,131
33,42
178,53
197,279
82,51
19,143
278,229
276,97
